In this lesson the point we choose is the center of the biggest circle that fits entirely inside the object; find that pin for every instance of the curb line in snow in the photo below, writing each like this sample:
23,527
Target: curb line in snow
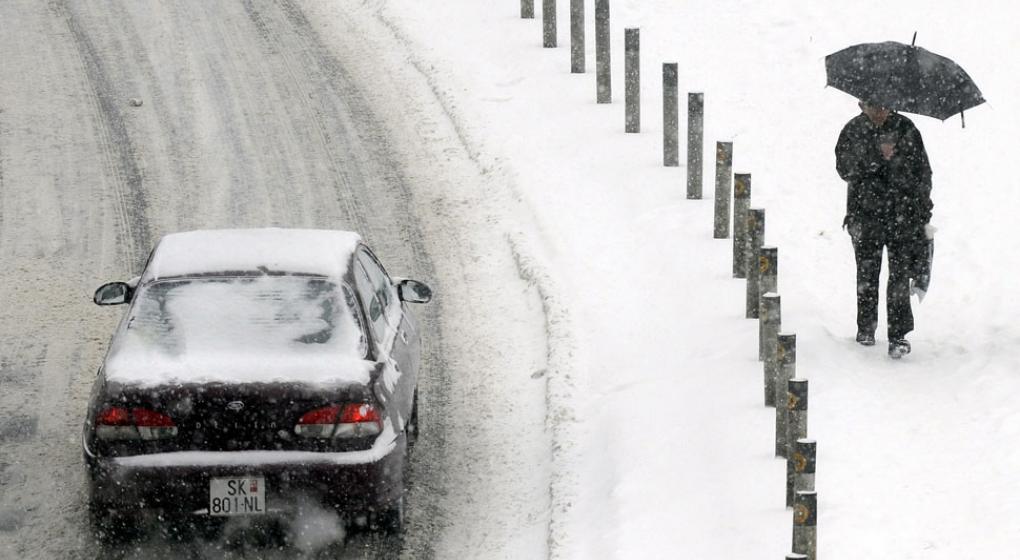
560,416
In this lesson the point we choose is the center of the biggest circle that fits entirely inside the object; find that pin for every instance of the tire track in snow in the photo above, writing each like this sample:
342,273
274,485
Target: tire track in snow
175,134
341,182
1,180
346,104
118,150
63,225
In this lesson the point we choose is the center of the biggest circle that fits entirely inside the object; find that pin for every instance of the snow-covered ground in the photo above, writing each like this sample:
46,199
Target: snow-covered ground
664,449
577,289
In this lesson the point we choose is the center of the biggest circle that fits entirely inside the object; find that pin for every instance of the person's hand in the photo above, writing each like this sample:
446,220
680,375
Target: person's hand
888,150
852,227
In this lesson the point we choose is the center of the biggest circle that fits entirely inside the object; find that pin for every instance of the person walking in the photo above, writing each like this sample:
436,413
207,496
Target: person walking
881,157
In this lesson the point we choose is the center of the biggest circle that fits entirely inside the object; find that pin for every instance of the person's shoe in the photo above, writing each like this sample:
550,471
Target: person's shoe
865,339
898,348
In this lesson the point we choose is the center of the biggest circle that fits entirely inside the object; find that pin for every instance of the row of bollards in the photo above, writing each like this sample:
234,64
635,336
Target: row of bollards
777,351
632,86
783,390
752,260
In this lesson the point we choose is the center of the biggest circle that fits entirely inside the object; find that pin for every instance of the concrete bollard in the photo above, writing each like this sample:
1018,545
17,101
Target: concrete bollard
791,481
527,9
603,74
768,257
786,369
577,36
796,412
632,79
695,143
670,116
755,237
804,461
805,524
723,186
769,319
796,429
741,204
549,24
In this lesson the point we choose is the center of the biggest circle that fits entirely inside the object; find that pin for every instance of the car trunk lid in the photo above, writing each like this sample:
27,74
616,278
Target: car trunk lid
223,417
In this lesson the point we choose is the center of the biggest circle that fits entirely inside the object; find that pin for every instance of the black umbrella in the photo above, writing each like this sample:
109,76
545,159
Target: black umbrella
903,78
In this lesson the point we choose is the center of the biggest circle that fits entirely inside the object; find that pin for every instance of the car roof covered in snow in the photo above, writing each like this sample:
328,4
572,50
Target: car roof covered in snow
301,251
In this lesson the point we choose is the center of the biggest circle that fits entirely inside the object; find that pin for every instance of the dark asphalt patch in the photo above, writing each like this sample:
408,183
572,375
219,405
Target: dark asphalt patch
18,428
10,520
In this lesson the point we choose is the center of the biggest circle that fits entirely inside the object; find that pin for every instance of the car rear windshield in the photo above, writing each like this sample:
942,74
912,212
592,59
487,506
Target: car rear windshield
247,314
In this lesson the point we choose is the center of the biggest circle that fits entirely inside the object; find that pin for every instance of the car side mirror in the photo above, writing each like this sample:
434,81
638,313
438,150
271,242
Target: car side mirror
113,293
413,291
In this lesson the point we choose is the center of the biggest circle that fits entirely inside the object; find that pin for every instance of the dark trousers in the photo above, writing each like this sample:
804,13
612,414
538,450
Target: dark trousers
868,253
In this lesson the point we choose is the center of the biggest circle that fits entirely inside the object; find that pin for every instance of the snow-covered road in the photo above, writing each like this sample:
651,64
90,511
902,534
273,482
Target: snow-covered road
253,113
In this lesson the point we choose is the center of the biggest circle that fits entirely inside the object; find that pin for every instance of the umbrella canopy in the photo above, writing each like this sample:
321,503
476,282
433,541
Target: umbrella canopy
903,78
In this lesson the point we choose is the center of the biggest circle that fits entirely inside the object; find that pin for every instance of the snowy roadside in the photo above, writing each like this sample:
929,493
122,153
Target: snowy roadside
492,495
670,448
504,209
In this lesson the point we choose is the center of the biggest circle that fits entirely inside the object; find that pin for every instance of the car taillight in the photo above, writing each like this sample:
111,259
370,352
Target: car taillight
151,419
114,416
358,413
152,424
358,420
318,423
115,422
347,421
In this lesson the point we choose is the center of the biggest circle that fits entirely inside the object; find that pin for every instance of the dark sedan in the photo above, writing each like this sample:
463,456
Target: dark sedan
252,369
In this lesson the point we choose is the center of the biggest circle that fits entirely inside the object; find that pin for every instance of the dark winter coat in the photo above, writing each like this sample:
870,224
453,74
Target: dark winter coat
886,199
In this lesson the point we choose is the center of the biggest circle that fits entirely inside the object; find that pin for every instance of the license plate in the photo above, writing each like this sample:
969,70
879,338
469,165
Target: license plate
237,496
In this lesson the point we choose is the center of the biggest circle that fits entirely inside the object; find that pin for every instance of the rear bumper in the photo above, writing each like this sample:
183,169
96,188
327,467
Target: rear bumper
178,483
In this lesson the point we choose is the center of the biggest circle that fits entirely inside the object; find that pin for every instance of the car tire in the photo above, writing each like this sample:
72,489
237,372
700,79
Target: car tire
411,430
110,526
391,519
